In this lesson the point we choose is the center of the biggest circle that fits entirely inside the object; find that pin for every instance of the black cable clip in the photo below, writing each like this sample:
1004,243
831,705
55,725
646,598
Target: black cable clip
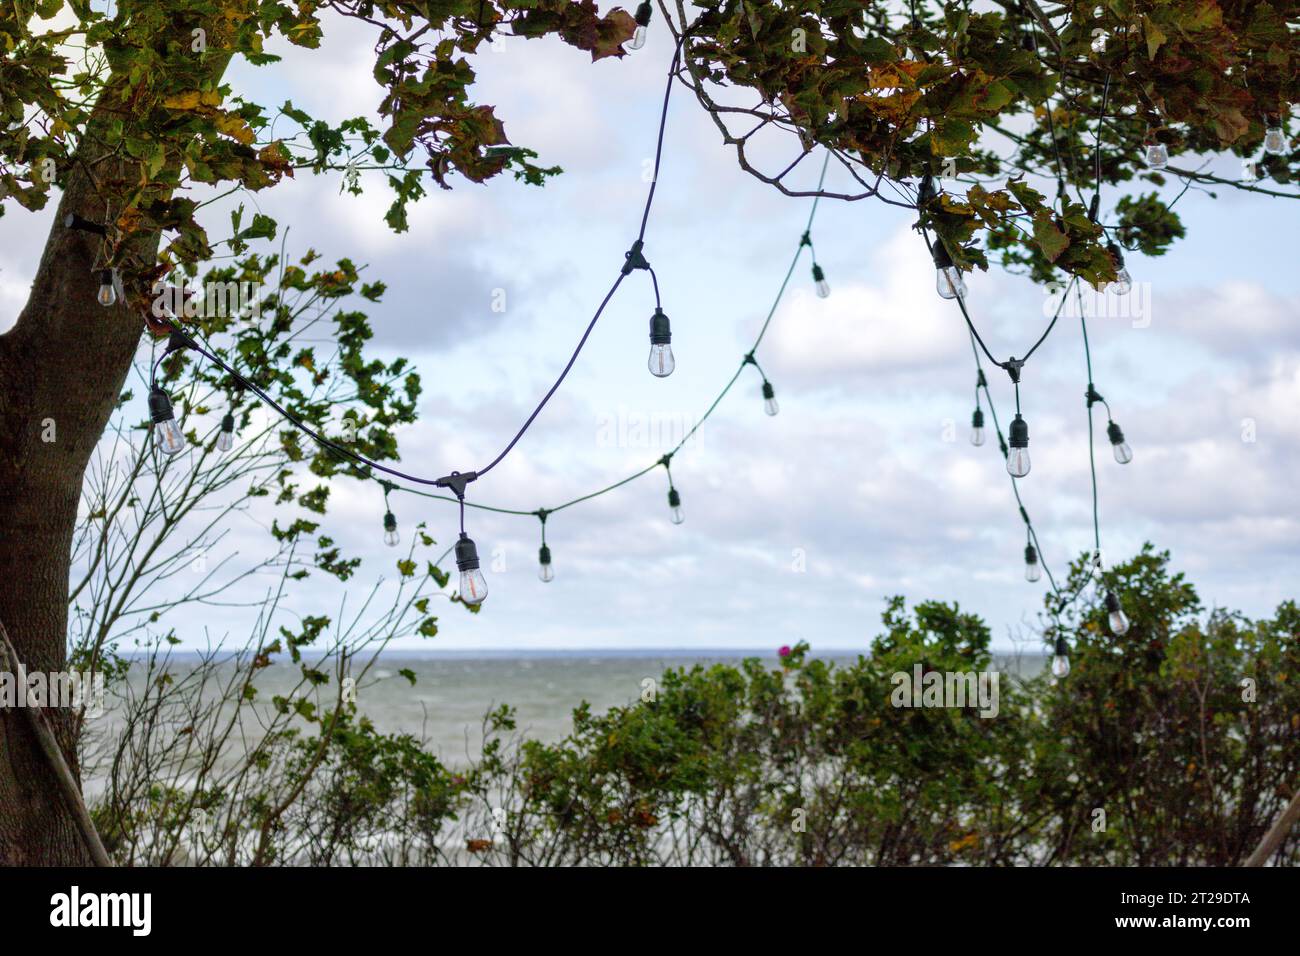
668,457
634,258
176,342
1013,366
541,515
1092,396
806,239
457,482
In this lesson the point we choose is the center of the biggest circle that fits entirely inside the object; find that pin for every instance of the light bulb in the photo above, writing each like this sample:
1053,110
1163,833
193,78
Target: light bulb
107,295
167,432
642,18
1018,455
1275,141
1157,155
661,362
769,399
1099,43
226,438
1061,660
1033,570
1123,283
675,503
1123,453
391,536
473,586
1115,615
819,277
947,277
545,571
977,427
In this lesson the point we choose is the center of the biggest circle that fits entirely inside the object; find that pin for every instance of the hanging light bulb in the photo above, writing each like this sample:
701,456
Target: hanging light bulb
769,398
1018,439
1115,615
545,571
1157,155
1123,453
473,586
1275,141
977,427
1123,283
391,535
675,502
819,277
661,363
166,430
226,439
947,281
638,37
107,295
1033,570
1061,660
1099,43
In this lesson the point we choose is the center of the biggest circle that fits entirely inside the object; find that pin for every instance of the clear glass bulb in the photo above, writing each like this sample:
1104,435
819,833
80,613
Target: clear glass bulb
169,436
1060,666
1274,141
823,289
1033,571
1018,462
949,283
678,517
225,441
977,435
107,294
546,572
661,363
1118,623
392,538
1099,43
1123,283
1123,454
1249,171
636,43
1157,155
473,586
770,406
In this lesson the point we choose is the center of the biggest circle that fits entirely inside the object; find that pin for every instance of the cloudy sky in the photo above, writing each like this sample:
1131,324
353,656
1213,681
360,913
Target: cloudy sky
865,485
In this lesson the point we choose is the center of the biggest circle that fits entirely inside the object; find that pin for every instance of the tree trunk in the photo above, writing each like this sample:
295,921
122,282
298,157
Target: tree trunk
62,368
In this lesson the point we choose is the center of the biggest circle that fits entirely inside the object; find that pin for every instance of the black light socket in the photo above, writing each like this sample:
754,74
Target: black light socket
1018,433
643,13
1114,433
1114,249
940,252
768,391
1062,648
390,521
466,554
1112,602
1031,554
818,275
977,419
674,499
660,331
228,422
160,406
544,555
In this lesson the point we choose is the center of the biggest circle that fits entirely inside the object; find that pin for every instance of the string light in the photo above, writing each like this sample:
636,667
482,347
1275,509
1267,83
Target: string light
392,537
1061,660
661,362
1123,283
642,18
226,438
1157,155
107,295
473,586
1018,440
769,399
168,434
948,281
977,427
1123,453
1275,140
675,503
545,571
1115,616
1033,570
819,278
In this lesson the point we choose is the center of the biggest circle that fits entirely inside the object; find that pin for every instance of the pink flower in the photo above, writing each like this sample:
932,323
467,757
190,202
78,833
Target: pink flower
785,650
